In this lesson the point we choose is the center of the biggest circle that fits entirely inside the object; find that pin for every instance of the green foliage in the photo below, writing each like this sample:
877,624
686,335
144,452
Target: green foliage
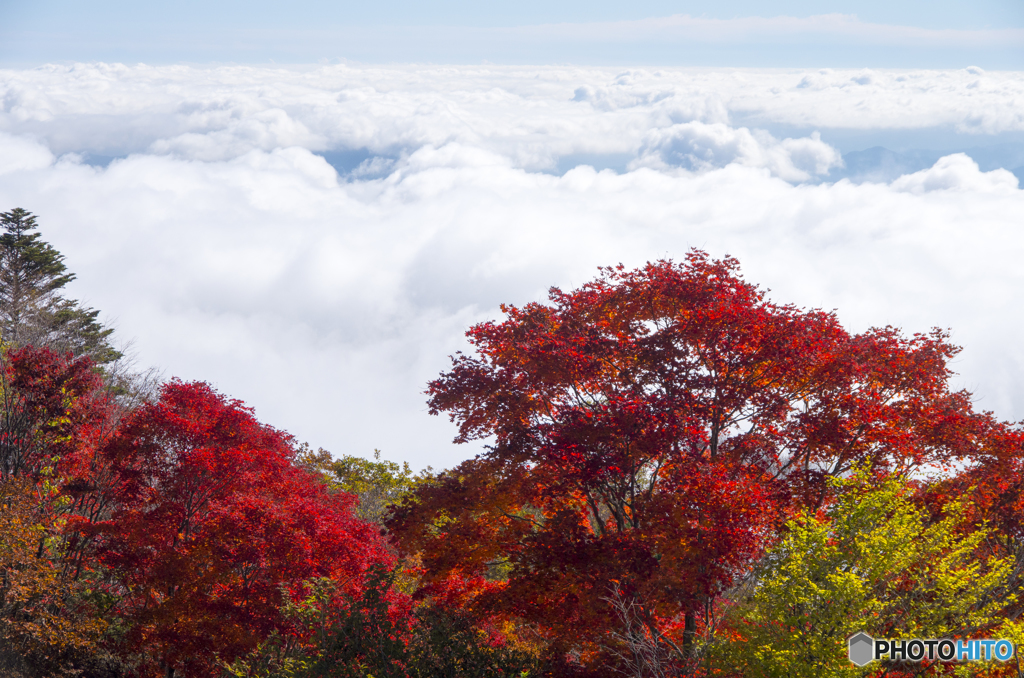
378,484
449,645
375,635
32,310
365,638
871,563
279,656
371,639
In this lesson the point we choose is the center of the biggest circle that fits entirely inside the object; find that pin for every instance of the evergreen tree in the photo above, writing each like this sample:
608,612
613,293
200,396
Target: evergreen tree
32,308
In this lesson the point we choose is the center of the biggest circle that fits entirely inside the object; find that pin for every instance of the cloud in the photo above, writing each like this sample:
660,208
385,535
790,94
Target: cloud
18,154
956,172
531,115
699,147
233,136
822,27
232,251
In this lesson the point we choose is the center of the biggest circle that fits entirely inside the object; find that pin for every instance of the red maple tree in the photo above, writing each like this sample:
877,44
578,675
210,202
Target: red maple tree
209,523
649,431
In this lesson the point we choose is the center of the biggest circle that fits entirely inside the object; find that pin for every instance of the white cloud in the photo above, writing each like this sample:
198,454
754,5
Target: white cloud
234,253
956,172
532,115
698,146
264,130
831,27
18,154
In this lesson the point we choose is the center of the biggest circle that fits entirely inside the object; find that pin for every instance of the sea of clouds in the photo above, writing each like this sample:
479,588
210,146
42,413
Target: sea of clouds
316,240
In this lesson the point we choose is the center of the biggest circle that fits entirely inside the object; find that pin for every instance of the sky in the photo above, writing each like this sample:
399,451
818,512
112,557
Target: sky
846,33
308,208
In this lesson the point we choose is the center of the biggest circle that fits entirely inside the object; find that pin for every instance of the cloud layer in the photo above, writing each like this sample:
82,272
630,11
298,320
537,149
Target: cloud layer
221,238
530,115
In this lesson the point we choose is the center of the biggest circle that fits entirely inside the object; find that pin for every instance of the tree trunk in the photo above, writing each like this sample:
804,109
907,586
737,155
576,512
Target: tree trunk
689,631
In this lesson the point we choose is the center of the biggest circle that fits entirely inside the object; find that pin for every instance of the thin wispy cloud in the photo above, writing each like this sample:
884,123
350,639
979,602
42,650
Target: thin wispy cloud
822,27
308,33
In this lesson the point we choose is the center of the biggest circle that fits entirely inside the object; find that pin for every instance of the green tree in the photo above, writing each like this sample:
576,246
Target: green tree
377,634
872,562
377,484
33,309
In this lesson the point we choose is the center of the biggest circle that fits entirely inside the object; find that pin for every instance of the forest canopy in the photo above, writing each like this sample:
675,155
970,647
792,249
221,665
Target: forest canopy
682,477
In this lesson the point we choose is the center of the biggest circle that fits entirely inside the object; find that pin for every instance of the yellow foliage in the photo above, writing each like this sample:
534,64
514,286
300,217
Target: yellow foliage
872,563
38,624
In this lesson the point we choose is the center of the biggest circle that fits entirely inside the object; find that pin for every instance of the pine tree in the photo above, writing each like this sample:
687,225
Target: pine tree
32,308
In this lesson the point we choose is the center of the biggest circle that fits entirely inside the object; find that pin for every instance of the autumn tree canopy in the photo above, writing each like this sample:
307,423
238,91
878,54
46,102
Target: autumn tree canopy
182,527
651,429
51,408
174,521
209,524
876,562
665,490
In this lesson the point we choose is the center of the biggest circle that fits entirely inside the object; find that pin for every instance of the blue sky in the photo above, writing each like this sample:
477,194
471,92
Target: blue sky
316,13
911,33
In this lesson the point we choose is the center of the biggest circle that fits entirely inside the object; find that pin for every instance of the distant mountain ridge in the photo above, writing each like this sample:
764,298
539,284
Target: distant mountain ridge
879,164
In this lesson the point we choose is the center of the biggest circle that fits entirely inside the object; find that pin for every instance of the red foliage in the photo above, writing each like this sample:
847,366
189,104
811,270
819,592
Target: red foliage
992,487
53,407
652,428
209,522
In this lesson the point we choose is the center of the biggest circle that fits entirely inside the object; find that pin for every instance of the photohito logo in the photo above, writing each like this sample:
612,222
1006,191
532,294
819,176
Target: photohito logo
864,649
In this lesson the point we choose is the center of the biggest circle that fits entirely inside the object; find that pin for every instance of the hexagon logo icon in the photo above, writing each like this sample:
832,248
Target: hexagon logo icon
861,648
